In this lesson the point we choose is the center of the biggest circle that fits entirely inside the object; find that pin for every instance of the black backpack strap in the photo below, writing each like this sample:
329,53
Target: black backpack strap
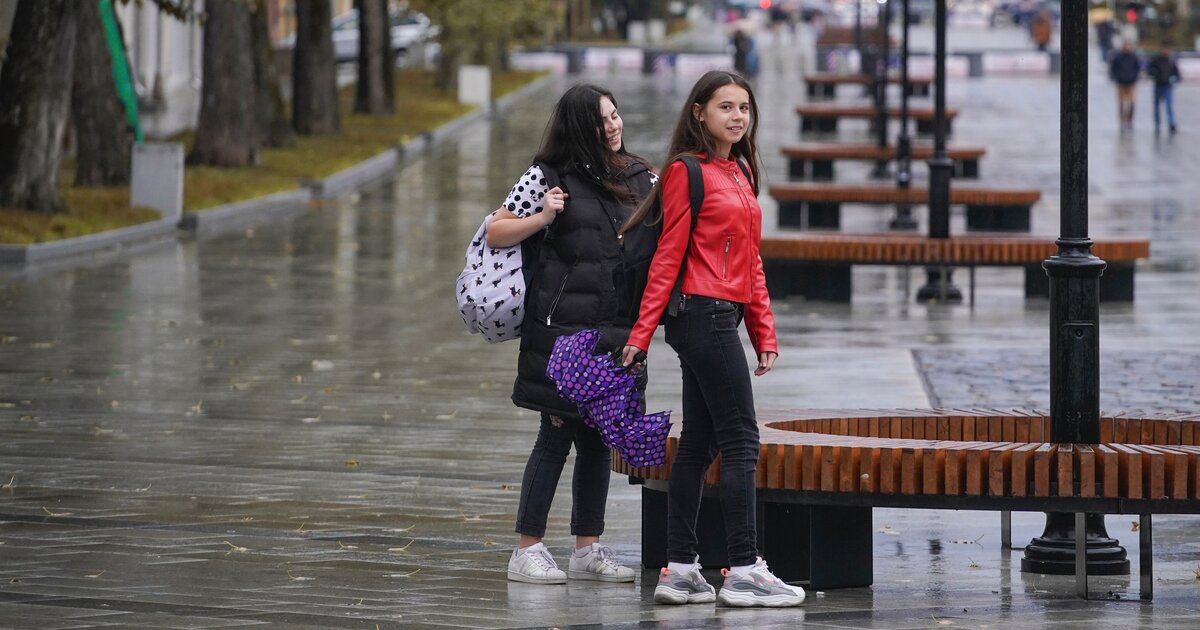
696,199
533,248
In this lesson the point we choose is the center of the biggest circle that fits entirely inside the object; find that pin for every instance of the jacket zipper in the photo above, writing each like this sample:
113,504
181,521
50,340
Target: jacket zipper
725,260
558,296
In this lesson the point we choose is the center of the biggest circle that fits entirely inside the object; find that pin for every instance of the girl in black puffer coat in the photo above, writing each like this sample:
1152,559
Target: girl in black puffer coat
578,260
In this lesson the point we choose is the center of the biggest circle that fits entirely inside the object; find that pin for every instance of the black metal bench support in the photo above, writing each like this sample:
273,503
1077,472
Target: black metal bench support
832,281
998,218
822,169
1145,560
810,215
827,546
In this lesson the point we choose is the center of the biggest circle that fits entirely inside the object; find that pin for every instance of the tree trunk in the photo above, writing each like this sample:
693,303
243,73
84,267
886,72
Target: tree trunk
35,92
225,135
103,137
373,93
270,115
314,73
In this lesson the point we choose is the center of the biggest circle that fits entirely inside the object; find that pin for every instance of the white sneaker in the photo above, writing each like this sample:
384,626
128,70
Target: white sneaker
598,564
535,565
758,587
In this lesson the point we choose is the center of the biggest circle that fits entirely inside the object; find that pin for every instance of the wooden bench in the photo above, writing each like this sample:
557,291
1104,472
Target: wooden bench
818,266
821,472
824,84
818,204
815,159
824,116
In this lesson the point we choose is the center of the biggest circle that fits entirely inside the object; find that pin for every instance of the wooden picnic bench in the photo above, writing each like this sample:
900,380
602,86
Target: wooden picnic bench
820,473
815,160
825,116
818,204
818,265
824,84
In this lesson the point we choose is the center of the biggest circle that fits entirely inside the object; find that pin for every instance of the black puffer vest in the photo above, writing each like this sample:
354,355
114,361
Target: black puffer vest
577,283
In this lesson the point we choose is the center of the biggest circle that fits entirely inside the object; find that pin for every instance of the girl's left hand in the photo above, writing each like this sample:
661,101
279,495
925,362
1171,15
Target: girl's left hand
766,361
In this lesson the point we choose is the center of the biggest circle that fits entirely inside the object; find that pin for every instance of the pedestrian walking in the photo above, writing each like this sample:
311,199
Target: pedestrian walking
1041,28
1124,69
573,228
1104,38
1165,73
712,261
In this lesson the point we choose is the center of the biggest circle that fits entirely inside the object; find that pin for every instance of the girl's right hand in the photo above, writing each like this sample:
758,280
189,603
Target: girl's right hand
629,356
554,203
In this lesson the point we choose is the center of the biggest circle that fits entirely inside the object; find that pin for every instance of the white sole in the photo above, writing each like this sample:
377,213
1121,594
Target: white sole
518,577
588,575
770,601
679,598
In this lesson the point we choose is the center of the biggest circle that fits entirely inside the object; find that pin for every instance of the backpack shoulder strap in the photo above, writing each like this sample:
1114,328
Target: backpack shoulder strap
550,174
696,199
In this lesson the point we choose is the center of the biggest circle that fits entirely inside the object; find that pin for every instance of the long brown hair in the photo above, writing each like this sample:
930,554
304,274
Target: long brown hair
691,137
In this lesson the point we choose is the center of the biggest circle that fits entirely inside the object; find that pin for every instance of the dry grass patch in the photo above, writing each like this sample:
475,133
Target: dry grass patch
91,210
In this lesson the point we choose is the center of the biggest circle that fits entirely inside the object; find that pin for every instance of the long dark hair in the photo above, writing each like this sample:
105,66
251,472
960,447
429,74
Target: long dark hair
574,142
691,137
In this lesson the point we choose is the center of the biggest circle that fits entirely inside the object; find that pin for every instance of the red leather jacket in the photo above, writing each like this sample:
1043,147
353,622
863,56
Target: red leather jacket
723,261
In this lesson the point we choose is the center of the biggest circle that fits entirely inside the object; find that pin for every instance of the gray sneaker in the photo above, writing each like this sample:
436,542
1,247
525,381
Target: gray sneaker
535,565
683,588
759,587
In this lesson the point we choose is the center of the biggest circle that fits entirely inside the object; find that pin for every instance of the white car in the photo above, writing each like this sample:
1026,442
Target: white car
408,28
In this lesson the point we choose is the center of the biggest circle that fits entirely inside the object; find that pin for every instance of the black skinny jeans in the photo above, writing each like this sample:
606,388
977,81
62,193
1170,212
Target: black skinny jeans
589,482
718,418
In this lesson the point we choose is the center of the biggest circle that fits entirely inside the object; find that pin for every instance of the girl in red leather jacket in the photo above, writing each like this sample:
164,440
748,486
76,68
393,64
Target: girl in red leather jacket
723,283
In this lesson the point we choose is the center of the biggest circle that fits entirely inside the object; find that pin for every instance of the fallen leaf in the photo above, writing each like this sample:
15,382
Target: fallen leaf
351,463
236,548
447,416
56,513
403,575
299,578
311,420
10,485
376,375
404,548
321,365
95,575
1136,526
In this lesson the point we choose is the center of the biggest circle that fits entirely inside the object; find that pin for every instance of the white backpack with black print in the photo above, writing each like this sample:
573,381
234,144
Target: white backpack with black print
491,288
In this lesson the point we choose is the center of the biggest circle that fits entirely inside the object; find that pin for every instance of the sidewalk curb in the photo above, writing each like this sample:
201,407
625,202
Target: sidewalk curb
79,245
238,213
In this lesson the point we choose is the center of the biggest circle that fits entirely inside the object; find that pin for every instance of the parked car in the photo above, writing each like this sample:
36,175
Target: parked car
408,28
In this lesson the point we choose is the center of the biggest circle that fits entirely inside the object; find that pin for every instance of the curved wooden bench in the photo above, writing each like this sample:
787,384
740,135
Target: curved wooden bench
822,471
824,84
817,266
815,159
824,117
818,204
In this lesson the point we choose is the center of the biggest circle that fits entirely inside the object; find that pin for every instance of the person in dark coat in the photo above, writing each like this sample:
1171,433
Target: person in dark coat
1165,73
1125,68
577,257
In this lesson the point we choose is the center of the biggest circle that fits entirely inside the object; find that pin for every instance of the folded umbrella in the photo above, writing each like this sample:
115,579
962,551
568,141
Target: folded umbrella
608,399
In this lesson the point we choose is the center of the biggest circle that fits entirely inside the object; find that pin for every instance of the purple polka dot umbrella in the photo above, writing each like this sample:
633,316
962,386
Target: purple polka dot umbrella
608,399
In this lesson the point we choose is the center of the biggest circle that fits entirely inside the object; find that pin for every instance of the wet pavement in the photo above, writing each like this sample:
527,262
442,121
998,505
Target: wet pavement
288,425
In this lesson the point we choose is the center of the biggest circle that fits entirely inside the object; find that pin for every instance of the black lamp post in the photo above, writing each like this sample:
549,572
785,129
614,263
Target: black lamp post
881,69
1074,318
938,284
904,219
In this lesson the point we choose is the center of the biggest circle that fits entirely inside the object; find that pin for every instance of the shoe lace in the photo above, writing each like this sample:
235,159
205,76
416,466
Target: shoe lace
607,557
542,559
